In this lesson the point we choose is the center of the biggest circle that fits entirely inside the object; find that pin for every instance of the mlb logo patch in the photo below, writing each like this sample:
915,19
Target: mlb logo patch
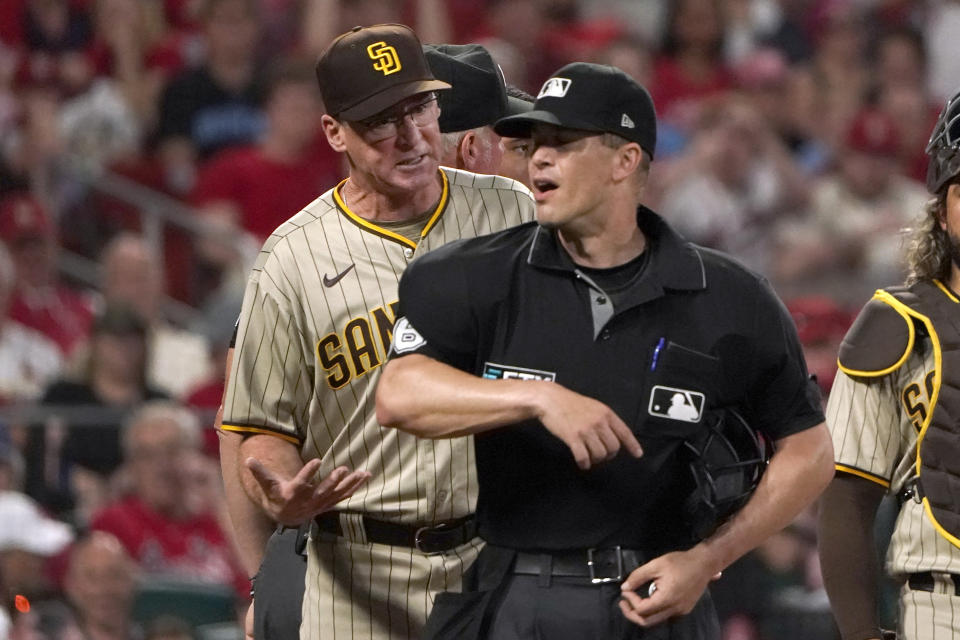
676,404
554,88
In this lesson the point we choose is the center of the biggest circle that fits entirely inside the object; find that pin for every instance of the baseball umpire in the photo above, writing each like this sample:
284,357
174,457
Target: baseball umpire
893,412
478,99
567,345
315,327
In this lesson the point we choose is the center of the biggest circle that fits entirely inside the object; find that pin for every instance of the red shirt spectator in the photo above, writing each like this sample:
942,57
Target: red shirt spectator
39,300
169,522
193,548
678,96
267,190
289,167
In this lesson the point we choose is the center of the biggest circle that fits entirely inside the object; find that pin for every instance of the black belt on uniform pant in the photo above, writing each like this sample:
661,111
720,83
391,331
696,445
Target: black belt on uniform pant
433,538
610,564
924,581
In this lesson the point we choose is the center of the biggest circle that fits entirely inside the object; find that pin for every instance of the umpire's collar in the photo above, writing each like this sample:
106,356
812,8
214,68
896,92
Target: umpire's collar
674,263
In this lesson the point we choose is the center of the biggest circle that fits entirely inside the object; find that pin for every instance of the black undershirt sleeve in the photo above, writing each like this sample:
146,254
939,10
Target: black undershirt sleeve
848,555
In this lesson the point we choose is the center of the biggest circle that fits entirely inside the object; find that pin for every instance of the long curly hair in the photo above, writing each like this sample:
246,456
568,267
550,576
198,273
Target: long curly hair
929,253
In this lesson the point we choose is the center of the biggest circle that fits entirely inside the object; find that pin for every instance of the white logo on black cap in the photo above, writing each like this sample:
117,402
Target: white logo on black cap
625,121
554,88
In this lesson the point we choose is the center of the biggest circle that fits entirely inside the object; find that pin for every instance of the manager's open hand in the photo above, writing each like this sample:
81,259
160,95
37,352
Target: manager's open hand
294,501
590,428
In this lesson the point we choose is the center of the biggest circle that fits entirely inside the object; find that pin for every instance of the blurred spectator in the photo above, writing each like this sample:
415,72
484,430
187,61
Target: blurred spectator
632,55
132,276
101,584
11,463
39,300
514,34
940,33
915,117
33,150
217,104
691,66
849,245
132,45
643,19
786,99
28,539
901,88
48,620
775,592
755,24
839,65
433,20
168,522
70,461
900,59
28,359
821,324
286,169
733,183
56,34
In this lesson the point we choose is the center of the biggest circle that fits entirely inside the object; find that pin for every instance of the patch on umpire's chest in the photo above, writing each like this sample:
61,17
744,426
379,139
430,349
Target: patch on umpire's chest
405,337
676,404
493,371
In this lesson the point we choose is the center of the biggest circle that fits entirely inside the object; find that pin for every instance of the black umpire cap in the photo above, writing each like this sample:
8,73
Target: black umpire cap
369,69
590,97
478,96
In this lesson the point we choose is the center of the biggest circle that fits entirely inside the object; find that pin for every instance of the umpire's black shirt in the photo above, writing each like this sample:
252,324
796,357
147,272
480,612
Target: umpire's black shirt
513,304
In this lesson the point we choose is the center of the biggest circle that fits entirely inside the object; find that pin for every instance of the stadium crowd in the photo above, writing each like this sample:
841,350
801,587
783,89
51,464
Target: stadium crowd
147,147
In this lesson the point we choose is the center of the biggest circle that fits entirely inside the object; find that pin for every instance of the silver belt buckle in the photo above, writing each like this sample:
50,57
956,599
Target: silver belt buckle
418,539
593,569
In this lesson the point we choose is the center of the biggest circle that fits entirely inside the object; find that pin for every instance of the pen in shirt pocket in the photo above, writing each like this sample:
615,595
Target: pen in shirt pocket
656,353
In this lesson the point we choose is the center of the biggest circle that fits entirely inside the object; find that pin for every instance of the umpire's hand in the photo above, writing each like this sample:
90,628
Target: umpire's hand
678,579
294,501
590,428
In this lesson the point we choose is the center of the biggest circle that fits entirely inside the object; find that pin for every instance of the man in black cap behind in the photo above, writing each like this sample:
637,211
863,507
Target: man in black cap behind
391,515
583,352
468,111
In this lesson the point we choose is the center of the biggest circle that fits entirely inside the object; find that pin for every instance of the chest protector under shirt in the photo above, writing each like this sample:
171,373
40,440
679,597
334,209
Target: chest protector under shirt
879,342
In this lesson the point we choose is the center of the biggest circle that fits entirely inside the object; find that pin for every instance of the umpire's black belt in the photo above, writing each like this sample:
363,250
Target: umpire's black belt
610,564
433,538
925,581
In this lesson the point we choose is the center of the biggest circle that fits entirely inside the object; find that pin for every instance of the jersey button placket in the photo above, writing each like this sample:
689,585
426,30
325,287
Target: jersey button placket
407,253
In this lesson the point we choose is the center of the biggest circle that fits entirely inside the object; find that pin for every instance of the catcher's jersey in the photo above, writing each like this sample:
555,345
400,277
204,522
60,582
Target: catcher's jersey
874,423
315,328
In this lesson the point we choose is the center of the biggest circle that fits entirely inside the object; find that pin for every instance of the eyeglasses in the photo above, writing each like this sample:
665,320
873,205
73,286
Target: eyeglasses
383,127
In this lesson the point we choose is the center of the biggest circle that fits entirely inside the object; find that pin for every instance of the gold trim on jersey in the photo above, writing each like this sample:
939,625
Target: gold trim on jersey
239,428
863,474
386,233
937,379
904,311
948,293
936,525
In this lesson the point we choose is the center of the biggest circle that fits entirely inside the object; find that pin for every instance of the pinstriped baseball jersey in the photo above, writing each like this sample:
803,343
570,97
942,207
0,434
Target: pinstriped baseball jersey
874,423
315,328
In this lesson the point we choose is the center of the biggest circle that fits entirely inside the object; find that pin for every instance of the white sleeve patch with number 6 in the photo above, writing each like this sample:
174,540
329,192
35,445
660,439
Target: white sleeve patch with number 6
405,337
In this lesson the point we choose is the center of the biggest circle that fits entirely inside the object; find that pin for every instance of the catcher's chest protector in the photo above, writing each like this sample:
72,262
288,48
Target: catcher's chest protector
933,307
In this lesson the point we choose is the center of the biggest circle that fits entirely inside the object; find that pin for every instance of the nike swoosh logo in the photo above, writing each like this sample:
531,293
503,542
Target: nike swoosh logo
329,282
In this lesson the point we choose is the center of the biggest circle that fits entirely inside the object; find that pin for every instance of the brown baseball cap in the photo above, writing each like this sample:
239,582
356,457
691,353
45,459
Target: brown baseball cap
369,69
